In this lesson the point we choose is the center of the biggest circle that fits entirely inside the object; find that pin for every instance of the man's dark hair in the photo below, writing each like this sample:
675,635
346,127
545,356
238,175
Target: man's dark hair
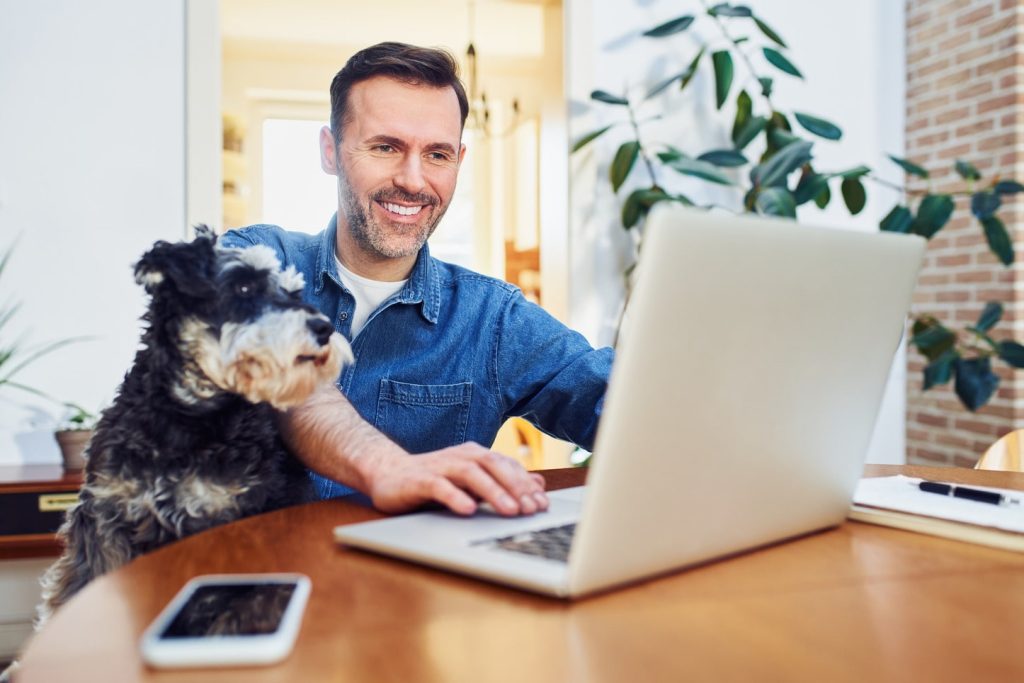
407,63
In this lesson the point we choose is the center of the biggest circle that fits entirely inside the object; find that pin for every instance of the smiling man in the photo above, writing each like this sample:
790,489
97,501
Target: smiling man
443,355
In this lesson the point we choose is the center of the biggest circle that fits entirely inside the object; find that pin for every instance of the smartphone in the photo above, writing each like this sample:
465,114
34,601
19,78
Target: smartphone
228,620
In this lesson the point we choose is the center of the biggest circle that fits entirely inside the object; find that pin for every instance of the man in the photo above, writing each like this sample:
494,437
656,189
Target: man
443,355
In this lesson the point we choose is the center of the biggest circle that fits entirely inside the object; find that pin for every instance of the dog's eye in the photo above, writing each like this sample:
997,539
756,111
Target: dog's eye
244,289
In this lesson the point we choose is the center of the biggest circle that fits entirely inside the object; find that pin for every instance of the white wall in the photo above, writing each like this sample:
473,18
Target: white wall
852,57
92,171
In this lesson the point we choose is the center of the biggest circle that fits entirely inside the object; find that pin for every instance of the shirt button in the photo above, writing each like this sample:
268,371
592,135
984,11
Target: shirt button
343,316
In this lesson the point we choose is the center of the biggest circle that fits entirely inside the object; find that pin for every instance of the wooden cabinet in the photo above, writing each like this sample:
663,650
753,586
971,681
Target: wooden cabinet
32,503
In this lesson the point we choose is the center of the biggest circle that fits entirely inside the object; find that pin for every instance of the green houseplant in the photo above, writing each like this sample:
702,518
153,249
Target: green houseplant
771,162
72,434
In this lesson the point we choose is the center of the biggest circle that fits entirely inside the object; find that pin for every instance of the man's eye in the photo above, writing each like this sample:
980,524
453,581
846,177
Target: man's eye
384,148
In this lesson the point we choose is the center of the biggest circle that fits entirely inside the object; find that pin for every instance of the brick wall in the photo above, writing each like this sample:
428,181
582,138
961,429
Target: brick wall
965,90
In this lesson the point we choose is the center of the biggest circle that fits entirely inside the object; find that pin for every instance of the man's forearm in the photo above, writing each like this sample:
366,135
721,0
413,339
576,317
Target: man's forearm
330,437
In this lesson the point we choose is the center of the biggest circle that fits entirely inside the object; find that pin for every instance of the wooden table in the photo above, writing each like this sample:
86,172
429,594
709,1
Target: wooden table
855,603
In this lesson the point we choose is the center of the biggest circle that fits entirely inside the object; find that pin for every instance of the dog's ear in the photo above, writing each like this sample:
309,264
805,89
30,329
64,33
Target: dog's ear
185,268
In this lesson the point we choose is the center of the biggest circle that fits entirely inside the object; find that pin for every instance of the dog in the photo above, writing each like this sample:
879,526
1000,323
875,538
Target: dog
190,441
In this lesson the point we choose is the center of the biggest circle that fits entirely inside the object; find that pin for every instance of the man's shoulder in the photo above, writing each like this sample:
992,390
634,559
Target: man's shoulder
270,235
451,275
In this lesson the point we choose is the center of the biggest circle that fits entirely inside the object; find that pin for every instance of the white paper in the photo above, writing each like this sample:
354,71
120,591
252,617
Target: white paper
901,493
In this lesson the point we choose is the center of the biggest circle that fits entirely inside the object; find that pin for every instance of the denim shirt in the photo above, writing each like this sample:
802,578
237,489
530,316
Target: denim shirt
451,356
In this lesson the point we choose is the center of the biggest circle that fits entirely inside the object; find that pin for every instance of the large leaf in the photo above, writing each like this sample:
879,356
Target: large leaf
724,9
910,167
967,170
932,338
991,315
691,70
667,156
854,195
1008,187
809,186
780,137
984,204
699,169
940,370
975,382
776,59
623,162
663,85
751,129
639,202
855,172
608,98
776,201
744,110
823,198
1012,353
775,170
778,134
818,126
767,30
897,220
932,214
589,137
728,158
998,239
722,61
670,27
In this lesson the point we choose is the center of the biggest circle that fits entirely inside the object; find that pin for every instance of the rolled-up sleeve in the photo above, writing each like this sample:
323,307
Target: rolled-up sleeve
549,374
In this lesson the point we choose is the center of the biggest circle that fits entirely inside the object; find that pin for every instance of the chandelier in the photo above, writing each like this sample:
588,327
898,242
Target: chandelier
482,116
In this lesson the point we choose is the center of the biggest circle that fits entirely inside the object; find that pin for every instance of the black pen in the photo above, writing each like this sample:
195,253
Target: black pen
977,495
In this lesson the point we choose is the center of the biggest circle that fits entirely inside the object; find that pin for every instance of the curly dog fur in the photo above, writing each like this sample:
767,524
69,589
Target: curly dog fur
191,441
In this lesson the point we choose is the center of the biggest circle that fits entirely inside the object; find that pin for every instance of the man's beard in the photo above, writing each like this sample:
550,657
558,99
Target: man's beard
372,236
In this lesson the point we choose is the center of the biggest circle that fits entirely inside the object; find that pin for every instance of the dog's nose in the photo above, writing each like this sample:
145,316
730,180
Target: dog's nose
321,329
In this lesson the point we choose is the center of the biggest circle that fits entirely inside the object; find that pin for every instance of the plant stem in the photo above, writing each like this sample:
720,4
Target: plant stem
914,193
643,150
742,53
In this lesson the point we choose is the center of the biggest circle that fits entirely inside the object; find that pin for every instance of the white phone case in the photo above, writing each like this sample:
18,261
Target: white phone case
226,650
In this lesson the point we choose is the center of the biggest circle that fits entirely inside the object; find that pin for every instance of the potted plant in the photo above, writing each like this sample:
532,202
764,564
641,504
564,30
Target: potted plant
73,434
770,166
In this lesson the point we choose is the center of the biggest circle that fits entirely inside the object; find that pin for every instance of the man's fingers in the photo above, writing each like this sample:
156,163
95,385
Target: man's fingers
522,485
471,476
451,496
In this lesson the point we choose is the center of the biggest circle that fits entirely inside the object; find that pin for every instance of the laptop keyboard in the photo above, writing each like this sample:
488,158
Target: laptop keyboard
552,543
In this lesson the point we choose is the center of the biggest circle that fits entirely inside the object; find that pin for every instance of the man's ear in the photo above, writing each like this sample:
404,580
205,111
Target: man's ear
328,152
462,153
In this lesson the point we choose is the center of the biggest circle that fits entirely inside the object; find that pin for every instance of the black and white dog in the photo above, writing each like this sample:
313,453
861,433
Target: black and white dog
191,440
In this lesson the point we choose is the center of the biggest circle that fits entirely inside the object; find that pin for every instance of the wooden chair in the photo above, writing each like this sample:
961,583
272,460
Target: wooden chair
1005,454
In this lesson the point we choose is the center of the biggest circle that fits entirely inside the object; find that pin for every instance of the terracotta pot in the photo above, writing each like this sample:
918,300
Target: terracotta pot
72,444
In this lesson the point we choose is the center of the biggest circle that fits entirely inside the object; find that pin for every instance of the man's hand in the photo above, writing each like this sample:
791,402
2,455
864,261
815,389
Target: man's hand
327,434
456,477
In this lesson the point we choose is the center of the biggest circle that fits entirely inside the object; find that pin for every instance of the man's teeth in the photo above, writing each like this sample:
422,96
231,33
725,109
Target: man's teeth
402,210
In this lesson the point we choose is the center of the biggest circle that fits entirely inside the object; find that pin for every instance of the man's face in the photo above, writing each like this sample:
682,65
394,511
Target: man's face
396,164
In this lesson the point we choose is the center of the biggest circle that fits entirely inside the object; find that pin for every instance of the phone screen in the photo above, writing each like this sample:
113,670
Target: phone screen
231,609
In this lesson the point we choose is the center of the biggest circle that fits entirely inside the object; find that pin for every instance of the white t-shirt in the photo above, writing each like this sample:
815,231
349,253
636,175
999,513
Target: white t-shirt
369,294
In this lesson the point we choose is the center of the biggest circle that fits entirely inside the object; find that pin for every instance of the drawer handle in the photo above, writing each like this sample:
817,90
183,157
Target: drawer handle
57,502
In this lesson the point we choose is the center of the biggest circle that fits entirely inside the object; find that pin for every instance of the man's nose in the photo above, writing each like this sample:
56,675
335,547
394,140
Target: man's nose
410,175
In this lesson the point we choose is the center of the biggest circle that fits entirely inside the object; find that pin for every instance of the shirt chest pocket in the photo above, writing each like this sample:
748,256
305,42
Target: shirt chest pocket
424,417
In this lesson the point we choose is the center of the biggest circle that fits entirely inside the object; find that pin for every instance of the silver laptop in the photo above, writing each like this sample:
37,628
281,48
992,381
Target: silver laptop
743,396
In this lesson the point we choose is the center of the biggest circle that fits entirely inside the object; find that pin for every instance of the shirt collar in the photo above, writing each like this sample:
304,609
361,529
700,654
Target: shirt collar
423,287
